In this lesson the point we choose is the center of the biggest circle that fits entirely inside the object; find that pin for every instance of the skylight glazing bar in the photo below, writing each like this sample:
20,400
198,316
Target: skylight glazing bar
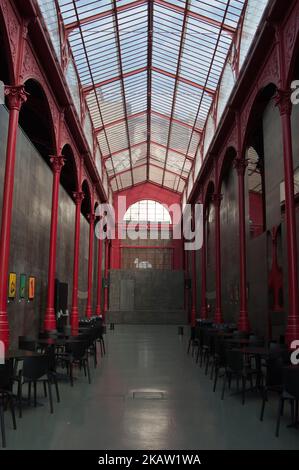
149,79
207,78
184,26
90,72
116,25
197,16
97,16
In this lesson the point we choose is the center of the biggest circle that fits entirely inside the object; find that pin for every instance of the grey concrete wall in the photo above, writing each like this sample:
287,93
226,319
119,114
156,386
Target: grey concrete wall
150,296
153,289
229,220
30,233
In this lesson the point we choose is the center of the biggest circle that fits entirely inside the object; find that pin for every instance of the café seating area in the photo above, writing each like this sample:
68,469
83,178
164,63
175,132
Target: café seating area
36,368
239,364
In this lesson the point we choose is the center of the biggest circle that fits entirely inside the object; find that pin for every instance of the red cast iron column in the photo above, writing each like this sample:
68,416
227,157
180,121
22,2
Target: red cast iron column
204,311
88,311
218,310
16,96
283,101
57,163
100,283
193,311
186,259
78,197
243,324
194,284
106,275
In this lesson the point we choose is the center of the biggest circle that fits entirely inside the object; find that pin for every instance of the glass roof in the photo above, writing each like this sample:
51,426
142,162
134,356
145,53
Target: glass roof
150,70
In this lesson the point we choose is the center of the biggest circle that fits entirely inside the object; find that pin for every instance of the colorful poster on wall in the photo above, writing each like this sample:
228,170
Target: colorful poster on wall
12,286
23,279
31,288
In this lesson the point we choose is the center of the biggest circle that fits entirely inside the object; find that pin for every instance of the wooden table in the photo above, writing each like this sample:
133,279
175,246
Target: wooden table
21,354
242,341
57,341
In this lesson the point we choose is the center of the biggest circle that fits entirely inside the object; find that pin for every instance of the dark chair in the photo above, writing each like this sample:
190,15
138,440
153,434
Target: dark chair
35,371
290,393
100,339
219,359
274,376
76,354
193,341
6,396
237,368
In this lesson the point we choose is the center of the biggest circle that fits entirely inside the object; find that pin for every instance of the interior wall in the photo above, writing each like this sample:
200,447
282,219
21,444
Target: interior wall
229,230
30,234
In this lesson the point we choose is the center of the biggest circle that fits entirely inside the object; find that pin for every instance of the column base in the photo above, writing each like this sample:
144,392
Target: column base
292,331
193,316
98,311
75,321
4,330
243,323
50,320
204,313
88,311
218,319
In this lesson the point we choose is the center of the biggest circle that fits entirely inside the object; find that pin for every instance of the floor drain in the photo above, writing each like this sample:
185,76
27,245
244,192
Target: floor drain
148,395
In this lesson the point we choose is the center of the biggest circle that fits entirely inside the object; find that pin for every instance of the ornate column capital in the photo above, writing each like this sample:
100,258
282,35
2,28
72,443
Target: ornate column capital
283,102
16,96
78,197
240,165
57,162
216,199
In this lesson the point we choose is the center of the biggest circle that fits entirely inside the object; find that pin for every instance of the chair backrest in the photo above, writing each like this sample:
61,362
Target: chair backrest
48,334
274,374
240,335
6,375
235,360
291,381
220,350
78,349
35,367
26,343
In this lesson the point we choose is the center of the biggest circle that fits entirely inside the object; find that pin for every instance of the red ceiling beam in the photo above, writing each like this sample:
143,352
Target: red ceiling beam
209,91
122,172
98,16
142,113
177,121
134,4
90,88
106,157
197,16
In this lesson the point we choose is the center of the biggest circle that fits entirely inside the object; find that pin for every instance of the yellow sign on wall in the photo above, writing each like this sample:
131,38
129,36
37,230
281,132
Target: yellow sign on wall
12,286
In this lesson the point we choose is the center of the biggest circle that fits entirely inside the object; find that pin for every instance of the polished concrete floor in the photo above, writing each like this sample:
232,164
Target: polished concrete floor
148,394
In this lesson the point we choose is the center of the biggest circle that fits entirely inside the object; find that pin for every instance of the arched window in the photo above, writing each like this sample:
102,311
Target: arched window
147,211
